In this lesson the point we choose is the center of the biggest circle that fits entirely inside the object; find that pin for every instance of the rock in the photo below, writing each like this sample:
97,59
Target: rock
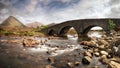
104,59
85,47
90,50
116,59
83,42
96,49
29,42
86,60
77,63
96,67
117,51
109,50
103,42
48,52
86,53
101,47
70,64
113,64
109,56
97,54
89,43
47,66
104,53
51,60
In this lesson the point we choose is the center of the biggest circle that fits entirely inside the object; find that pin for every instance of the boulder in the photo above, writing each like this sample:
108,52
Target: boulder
104,53
90,50
116,50
47,66
101,47
70,64
86,60
96,67
104,59
96,50
29,42
86,53
97,54
103,42
83,43
51,60
86,47
88,43
113,64
77,63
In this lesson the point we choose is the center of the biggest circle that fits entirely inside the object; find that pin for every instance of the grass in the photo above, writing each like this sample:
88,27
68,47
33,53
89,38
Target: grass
21,32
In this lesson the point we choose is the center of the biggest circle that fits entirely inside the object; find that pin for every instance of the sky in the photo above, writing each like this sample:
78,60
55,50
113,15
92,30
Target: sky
57,11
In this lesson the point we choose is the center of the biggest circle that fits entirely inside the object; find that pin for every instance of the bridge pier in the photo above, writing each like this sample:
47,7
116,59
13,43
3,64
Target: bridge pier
83,38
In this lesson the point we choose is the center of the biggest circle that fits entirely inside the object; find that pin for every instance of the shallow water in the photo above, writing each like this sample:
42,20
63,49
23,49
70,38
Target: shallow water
13,55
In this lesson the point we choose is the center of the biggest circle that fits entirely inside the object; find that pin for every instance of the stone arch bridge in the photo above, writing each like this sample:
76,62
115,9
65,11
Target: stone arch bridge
81,26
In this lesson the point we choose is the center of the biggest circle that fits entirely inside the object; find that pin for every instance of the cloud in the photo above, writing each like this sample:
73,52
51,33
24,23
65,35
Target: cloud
114,9
49,11
84,9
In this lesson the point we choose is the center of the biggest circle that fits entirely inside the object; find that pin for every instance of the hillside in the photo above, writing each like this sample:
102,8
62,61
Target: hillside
12,22
34,24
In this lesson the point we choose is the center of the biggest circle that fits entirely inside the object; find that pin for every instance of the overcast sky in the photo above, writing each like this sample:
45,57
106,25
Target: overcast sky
57,11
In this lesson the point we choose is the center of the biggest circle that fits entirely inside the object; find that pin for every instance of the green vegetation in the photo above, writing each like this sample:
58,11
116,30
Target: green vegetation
21,32
72,32
111,24
39,29
42,27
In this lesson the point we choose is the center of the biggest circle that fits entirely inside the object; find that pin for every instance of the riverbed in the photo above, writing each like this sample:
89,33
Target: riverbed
62,51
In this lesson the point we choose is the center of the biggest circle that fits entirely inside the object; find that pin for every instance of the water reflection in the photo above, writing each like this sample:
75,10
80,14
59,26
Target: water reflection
72,38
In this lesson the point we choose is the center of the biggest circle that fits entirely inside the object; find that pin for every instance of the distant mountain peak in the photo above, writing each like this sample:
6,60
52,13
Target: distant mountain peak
34,24
11,17
12,22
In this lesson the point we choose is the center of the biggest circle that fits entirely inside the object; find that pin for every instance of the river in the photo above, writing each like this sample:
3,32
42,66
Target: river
14,55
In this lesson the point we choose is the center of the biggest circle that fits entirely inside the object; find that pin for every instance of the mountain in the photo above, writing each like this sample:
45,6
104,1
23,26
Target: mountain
12,22
34,24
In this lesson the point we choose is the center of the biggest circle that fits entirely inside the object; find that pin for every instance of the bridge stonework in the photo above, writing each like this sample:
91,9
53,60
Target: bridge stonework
81,26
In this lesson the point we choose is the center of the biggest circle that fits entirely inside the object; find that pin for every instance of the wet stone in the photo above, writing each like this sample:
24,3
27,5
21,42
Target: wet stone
104,59
104,53
70,64
96,49
86,60
77,63
96,67
86,53
51,60
85,47
113,64
90,50
47,66
97,54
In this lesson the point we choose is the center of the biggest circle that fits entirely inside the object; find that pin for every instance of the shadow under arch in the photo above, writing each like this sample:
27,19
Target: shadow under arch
51,32
63,31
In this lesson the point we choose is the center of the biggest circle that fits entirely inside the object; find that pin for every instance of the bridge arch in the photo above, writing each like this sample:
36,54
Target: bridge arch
65,29
87,29
51,32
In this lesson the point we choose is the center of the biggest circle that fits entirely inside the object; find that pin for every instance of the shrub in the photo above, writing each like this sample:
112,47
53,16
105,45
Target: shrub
111,24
